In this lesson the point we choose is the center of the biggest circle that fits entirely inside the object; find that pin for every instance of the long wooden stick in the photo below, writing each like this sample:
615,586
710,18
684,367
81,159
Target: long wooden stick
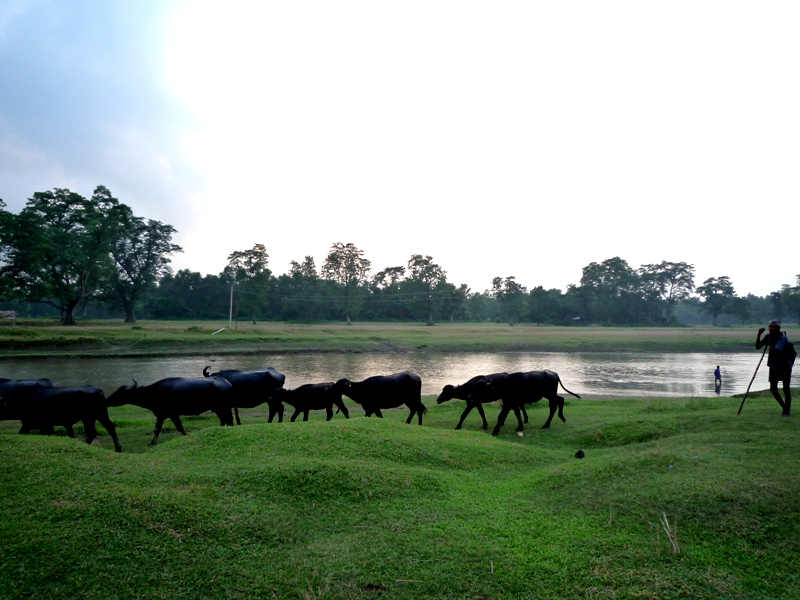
766,345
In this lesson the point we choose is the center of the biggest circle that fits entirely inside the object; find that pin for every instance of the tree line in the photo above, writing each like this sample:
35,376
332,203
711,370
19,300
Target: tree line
64,253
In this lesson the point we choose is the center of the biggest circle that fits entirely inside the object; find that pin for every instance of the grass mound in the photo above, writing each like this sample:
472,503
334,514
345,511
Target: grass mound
675,499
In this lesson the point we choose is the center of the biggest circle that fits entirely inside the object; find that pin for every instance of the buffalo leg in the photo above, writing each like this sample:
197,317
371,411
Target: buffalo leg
26,428
305,415
466,412
157,430
483,416
90,427
294,416
553,408
343,409
106,422
276,410
236,411
421,410
561,409
519,418
411,414
501,418
524,413
329,412
176,420
71,432
378,413
225,418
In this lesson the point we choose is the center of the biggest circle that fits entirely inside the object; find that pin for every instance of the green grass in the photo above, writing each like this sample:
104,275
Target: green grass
369,508
160,338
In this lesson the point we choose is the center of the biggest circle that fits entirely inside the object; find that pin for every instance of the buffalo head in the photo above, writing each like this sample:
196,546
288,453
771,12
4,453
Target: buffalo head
118,397
447,394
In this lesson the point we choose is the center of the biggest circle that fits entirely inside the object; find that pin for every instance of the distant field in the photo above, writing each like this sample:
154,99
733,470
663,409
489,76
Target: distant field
676,498
154,338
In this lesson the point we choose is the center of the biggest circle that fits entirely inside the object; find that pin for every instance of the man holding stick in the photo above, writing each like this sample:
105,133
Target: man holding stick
779,363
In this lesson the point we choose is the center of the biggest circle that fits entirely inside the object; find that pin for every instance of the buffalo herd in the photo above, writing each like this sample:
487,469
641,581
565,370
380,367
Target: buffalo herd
41,405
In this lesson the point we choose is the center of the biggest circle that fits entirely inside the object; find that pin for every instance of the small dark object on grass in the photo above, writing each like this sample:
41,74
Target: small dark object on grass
580,454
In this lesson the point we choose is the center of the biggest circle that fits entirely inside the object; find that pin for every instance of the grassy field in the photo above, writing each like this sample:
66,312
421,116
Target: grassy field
157,338
369,508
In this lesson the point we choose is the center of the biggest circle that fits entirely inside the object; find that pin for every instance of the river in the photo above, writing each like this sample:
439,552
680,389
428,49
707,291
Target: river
590,374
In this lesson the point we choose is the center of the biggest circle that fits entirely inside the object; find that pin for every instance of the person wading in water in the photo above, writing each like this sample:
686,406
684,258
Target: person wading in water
779,363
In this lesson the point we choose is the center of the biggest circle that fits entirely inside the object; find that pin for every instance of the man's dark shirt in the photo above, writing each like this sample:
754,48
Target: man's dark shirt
777,359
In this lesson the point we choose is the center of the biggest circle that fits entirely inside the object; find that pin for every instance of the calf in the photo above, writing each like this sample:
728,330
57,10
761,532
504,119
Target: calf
522,388
464,392
386,391
169,398
252,388
41,405
312,396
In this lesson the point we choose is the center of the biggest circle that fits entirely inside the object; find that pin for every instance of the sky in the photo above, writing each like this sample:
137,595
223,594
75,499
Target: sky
501,138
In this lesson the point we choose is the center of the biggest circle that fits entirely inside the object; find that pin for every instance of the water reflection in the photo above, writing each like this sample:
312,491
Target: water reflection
596,374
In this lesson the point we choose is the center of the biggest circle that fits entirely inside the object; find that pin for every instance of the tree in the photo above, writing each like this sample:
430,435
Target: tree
672,281
742,308
424,276
346,266
789,300
455,300
716,294
512,297
248,269
59,249
384,301
6,237
299,290
189,295
550,306
140,249
610,292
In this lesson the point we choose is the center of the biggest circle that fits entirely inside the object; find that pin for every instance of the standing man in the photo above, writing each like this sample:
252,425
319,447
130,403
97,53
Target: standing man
717,377
780,365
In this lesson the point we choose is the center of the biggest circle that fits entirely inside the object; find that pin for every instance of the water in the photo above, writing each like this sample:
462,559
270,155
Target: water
590,374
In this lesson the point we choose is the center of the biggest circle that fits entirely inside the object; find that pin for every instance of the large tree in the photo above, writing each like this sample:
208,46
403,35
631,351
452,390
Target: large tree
300,291
671,281
511,296
6,237
384,300
424,277
141,250
717,293
789,300
610,292
59,248
248,269
346,266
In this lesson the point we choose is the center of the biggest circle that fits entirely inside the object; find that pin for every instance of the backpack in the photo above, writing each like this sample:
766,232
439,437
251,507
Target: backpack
789,352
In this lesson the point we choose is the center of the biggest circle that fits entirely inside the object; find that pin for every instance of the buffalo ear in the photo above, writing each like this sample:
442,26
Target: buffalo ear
205,372
134,385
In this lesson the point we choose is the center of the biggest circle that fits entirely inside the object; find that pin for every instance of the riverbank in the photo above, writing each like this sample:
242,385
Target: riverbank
34,339
677,498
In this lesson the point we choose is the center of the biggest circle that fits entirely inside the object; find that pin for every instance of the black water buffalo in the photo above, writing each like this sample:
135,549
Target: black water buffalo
523,388
311,396
464,392
42,406
169,398
252,388
386,391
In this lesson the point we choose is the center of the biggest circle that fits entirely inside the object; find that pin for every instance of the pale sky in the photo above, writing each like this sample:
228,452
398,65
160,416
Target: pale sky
501,138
